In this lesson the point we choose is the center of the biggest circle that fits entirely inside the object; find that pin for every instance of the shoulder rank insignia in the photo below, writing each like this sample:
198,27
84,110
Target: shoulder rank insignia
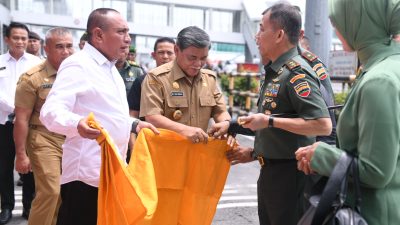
303,89
297,77
291,64
309,56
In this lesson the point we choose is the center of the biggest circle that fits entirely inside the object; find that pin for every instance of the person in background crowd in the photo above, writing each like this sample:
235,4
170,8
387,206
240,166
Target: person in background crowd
163,53
305,43
34,45
12,64
369,123
43,147
88,81
129,72
180,95
83,40
290,87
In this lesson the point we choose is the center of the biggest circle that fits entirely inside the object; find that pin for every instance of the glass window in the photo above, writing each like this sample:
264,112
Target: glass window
221,21
150,14
184,17
32,6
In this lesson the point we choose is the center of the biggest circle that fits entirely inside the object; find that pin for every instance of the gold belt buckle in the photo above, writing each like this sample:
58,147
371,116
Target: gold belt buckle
260,160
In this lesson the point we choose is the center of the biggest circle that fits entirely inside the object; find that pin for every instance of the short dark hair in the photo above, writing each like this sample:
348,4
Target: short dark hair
286,17
97,18
193,36
14,25
162,40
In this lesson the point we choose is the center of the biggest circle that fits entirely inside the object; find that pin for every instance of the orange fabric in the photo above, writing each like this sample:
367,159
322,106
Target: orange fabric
169,180
119,201
190,177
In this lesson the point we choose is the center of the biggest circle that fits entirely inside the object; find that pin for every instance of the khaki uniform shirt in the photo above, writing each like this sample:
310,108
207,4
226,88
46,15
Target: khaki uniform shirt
166,90
32,90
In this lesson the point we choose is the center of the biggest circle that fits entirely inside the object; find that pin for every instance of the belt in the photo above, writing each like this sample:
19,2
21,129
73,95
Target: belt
264,161
44,129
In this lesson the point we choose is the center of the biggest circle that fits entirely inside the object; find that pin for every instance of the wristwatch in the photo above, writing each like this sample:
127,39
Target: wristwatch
134,126
271,121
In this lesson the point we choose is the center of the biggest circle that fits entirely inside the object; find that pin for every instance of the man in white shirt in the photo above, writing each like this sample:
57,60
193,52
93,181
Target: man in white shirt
12,64
89,82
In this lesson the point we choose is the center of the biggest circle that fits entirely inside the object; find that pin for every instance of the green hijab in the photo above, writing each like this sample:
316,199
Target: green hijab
367,26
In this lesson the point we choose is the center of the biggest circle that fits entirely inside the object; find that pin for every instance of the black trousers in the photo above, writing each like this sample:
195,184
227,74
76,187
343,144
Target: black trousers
78,204
280,193
7,157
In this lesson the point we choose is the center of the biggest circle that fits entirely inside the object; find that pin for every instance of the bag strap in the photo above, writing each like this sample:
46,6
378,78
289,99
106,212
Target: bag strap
331,189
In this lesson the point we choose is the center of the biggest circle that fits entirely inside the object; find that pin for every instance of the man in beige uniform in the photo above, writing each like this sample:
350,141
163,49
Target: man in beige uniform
30,136
182,97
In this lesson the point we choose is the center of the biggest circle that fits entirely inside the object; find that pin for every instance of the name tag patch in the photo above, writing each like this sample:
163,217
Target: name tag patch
177,93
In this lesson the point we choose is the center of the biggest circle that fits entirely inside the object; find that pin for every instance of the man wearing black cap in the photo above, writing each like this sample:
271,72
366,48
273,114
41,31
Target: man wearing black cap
34,45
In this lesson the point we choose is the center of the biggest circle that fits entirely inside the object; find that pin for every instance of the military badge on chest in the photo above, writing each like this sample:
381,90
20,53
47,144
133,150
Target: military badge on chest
272,90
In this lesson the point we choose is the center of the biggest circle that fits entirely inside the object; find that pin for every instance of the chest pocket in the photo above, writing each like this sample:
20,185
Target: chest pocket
206,105
43,92
175,103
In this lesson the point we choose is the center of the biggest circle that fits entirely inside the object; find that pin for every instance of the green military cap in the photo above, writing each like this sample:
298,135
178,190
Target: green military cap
132,49
33,35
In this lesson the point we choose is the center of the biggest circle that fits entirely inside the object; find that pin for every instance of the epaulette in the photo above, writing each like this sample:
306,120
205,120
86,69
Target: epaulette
309,56
209,72
165,68
291,64
35,69
133,63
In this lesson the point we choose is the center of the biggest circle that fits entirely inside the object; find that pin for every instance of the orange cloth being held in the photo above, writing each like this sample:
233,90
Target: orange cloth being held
190,177
119,202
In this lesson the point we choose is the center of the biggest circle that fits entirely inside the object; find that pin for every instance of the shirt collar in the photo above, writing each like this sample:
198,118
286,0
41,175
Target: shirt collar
97,55
10,57
281,60
179,74
50,69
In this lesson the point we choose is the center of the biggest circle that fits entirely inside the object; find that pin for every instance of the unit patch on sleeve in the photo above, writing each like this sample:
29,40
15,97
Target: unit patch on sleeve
303,89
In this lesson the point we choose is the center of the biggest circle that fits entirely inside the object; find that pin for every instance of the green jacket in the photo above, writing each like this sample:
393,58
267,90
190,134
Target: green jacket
369,125
129,72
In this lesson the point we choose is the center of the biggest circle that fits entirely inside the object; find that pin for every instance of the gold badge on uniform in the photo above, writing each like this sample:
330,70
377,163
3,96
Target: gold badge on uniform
46,79
273,105
177,115
175,85
204,84
280,71
267,112
130,73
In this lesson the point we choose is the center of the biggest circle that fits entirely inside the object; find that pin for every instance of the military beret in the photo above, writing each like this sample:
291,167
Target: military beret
33,35
132,49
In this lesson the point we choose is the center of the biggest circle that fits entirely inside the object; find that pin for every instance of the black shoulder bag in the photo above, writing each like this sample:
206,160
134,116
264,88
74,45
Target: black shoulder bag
330,208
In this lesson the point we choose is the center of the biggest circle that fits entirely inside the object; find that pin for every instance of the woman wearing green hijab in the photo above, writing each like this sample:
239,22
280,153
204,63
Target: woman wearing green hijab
369,125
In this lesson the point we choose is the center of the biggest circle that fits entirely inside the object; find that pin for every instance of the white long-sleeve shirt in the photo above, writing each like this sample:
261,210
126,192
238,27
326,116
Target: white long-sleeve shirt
10,71
86,82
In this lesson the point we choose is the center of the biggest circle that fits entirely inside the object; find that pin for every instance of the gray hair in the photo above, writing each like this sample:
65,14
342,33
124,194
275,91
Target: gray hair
57,31
193,36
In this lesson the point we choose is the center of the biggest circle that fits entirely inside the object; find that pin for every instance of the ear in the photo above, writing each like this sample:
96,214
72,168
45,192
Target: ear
153,54
176,49
46,49
98,34
7,40
280,36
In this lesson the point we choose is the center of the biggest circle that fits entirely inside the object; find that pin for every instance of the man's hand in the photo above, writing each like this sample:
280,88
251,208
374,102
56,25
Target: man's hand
143,124
218,130
85,131
254,122
22,164
239,154
195,134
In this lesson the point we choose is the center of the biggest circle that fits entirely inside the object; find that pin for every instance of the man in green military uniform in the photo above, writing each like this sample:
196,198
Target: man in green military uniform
31,137
291,90
128,69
